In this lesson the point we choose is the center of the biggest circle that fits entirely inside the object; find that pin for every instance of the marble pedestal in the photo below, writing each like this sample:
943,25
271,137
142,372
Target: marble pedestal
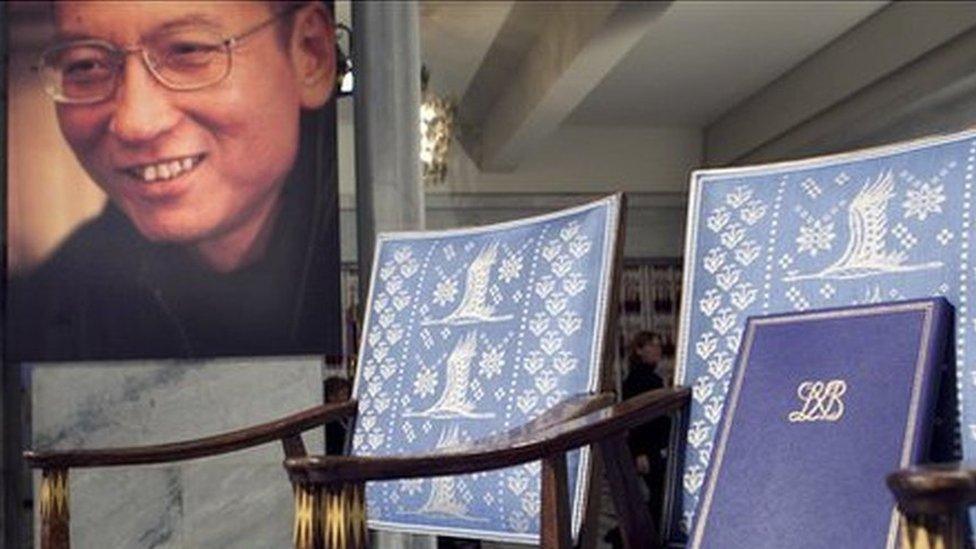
235,500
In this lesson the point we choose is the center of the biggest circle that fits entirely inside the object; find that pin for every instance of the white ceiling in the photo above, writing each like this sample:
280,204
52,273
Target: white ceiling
697,59
700,59
454,38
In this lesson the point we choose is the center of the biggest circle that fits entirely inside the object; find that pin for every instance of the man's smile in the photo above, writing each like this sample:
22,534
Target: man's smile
163,170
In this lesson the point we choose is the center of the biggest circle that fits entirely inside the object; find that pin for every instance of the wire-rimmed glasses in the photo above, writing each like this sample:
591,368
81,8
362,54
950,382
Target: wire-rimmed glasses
184,58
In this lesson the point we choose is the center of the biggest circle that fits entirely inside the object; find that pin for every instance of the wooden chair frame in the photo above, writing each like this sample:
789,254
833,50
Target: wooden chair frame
330,513
329,496
933,501
55,465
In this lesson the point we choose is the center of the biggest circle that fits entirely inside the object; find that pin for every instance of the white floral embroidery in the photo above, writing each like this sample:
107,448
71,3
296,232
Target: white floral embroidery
797,299
810,187
445,292
402,254
815,237
412,486
738,197
785,261
426,382
492,362
752,212
904,236
408,431
718,219
477,392
511,268
924,200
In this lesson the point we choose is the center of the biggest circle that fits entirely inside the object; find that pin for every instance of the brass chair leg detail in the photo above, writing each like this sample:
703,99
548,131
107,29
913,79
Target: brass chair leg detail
306,497
330,517
345,516
932,532
53,503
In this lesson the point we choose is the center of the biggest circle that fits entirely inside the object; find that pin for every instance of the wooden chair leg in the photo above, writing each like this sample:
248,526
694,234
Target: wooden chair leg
635,521
293,446
556,518
55,532
933,531
590,525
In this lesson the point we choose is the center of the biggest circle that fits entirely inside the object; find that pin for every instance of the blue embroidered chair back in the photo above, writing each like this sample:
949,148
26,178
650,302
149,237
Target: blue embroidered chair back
883,224
471,332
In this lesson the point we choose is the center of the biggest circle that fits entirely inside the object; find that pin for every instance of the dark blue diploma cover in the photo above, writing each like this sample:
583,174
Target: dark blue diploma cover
823,405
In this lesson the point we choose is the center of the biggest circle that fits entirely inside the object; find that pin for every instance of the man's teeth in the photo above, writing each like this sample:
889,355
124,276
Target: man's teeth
166,170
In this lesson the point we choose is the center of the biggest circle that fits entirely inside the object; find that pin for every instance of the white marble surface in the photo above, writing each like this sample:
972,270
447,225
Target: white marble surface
236,500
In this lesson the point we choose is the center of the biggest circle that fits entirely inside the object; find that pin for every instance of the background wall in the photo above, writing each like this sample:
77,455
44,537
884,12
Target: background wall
580,163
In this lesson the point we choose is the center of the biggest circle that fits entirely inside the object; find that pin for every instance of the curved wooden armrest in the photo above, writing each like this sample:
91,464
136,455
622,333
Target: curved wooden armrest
197,448
569,408
934,489
522,446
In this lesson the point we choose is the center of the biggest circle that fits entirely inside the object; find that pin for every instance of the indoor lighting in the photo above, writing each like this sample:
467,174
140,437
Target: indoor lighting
436,132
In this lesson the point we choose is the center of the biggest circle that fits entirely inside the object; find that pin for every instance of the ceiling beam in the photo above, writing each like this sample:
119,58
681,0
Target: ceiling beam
455,37
843,91
935,94
545,60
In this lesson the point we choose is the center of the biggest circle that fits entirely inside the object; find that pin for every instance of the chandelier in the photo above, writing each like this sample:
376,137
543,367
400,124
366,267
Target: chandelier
436,132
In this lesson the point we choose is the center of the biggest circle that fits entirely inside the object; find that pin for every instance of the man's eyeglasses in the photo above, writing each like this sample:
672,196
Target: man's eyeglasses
183,59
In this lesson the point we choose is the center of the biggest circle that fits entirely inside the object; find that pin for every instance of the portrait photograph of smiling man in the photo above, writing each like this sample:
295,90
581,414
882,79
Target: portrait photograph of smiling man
209,128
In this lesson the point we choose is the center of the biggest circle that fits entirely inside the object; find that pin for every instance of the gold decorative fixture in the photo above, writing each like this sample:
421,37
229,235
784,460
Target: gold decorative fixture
436,132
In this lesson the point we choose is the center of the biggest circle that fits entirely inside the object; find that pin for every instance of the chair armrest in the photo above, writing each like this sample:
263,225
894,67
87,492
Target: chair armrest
934,489
569,408
197,448
523,445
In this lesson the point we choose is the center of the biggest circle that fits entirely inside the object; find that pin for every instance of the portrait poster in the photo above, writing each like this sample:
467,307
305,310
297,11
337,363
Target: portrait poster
171,181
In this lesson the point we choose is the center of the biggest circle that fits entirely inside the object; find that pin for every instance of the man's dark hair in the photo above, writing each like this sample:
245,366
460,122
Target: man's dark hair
334,386
643,338
283,29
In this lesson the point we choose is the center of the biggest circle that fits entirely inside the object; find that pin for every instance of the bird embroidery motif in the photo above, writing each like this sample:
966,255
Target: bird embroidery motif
867,224
474,306
443,497
453,401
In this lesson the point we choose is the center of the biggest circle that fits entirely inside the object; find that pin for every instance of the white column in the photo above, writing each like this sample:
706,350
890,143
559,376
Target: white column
386,57
389,188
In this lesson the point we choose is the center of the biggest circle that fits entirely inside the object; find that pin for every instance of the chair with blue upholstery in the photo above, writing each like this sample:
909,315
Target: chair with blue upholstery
884,224
469,333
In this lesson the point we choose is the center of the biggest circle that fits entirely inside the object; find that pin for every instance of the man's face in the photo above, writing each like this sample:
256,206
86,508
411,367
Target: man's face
229,145
650,352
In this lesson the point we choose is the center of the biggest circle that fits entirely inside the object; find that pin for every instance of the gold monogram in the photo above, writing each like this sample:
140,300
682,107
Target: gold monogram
821,401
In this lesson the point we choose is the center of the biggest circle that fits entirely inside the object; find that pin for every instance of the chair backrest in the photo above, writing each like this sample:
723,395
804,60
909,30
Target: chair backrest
883,224
473,331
